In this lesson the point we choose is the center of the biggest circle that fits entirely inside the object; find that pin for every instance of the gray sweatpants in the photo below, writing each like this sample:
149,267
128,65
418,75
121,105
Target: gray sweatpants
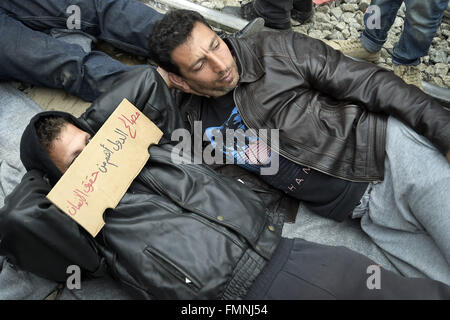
408,214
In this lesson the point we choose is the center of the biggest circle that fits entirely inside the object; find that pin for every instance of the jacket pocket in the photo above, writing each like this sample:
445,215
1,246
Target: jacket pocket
173,269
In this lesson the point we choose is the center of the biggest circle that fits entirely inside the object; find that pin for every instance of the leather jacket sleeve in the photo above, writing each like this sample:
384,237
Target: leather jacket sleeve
147,91
372,87
37,237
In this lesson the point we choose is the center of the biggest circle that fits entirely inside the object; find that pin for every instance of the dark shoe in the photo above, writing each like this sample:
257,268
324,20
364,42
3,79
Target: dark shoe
302,11
301,16
248,12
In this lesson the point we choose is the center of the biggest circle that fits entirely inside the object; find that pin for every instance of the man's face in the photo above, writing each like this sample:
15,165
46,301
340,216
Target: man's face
68,146
205,62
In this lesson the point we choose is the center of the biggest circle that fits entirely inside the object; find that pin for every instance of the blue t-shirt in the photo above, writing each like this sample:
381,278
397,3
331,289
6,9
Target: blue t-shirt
323,194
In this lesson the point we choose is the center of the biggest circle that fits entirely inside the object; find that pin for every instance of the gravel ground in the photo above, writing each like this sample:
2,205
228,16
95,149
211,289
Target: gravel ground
343,19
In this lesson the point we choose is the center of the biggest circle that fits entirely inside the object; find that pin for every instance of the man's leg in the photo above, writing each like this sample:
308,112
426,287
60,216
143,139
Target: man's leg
422,19
37,58
307,270
125,24
276,14
409,211
377,22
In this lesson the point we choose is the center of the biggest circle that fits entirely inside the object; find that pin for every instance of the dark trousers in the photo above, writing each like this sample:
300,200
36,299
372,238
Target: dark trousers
301,269
30,54
279,10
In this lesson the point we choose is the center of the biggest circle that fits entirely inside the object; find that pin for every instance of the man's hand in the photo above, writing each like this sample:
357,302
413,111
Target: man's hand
448,155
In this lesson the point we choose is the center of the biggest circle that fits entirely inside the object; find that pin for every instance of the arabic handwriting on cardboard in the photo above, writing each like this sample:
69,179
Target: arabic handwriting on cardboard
116,144
104,170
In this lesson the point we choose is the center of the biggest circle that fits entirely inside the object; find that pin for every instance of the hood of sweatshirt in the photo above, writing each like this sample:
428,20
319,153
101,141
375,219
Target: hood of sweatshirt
33,155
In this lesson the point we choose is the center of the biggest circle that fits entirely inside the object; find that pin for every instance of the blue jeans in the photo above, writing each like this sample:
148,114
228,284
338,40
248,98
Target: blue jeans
30,54
422,19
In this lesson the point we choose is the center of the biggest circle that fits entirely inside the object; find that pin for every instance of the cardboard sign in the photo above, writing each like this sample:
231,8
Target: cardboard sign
104,170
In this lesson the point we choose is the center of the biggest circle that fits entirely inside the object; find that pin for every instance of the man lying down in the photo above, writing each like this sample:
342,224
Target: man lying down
180,231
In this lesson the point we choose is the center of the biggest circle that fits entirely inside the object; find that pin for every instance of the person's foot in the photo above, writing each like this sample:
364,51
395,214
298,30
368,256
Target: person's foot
409,74
301,16
248,12
353,48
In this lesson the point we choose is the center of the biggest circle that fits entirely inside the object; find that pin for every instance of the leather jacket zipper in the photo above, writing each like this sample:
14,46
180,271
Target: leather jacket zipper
173,269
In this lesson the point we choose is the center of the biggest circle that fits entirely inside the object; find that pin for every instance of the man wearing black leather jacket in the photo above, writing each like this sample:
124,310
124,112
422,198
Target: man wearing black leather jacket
181,230
354,139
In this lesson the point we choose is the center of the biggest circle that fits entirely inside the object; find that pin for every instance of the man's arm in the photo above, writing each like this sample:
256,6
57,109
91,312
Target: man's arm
372,87
147,90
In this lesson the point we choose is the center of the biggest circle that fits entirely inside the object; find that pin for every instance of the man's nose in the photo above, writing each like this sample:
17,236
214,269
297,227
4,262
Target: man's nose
217,64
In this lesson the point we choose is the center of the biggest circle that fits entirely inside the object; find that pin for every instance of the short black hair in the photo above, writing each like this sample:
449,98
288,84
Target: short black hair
48,129
170,32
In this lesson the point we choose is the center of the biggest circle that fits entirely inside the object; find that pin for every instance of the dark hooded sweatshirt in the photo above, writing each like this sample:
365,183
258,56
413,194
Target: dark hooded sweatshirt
61,231
33,155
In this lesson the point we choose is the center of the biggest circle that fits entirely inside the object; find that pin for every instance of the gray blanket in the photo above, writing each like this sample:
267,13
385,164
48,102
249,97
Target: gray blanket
16,109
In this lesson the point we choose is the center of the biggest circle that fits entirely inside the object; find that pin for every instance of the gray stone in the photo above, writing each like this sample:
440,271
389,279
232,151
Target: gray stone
335,35
324,26
316,34
356,26
321,17
384,53
387,65
446,81
208,4
349,7
326,34
347,16
441,69
438,56
429,70
341,26
398,22
324,9
354,33
438,81
363,6
346,33
336,12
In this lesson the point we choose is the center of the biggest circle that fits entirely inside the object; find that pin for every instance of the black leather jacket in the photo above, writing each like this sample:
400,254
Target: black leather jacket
330,109
181,231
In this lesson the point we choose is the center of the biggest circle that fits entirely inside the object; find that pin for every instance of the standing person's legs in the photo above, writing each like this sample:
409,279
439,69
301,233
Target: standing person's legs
125,24
274,10
306,270
281,10
37,58
409,211
377,22
422,19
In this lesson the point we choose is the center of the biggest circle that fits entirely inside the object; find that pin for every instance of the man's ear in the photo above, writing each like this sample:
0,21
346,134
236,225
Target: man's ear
179,83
